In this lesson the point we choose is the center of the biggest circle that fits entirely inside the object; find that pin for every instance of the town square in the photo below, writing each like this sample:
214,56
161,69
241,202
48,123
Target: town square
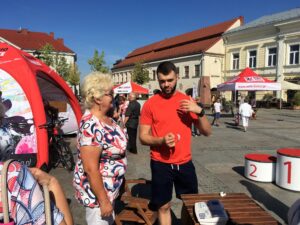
162,112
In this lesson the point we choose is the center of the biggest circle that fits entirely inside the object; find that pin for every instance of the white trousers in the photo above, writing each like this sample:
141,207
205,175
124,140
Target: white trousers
93,217
245,120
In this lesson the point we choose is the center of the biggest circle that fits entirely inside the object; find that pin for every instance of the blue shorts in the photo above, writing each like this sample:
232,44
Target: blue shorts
164,175
217,115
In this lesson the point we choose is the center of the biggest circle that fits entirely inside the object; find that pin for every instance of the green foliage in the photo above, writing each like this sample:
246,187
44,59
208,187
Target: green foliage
46,54
57,62
267,97
97,63
74,75
296,99
140,74
61,66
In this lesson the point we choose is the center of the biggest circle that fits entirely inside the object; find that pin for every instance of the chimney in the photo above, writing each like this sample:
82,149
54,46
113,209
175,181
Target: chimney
52,35
23,31
60,40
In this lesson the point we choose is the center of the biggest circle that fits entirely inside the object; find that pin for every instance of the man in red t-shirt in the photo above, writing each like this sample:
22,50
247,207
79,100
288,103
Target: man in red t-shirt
165,125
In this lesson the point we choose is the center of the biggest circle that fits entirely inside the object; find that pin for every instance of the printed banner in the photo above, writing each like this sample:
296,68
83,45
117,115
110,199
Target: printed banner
17,132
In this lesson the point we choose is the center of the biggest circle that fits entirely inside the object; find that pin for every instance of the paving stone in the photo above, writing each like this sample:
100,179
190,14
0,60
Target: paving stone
219,161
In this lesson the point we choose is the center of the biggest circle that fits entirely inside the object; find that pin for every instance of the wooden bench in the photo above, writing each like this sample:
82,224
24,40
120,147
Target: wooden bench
241,209
136,209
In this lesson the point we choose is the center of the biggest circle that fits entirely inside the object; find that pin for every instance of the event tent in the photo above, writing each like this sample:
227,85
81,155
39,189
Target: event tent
128,87
248,80
285,85
26,82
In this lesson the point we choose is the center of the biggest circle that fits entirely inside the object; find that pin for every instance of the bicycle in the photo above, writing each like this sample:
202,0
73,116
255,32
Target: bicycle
59,150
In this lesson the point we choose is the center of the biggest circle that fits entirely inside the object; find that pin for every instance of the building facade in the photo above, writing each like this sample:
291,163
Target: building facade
269,45
195,54
33,42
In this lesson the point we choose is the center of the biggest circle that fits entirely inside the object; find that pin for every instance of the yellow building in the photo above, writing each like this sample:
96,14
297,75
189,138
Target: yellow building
269,45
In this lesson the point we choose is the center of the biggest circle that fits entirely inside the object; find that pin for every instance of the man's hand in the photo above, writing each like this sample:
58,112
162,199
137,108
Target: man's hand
169,140
189,105
106,208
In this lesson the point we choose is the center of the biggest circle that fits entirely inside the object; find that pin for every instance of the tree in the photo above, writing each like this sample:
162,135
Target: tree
74,77
97,63
140,74
62,67
57,62
46,54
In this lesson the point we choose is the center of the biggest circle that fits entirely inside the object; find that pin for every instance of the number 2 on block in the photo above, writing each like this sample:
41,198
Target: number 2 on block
254,170
289,175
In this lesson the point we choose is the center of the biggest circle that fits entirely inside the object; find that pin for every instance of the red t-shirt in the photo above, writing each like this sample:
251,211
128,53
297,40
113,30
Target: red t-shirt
164,117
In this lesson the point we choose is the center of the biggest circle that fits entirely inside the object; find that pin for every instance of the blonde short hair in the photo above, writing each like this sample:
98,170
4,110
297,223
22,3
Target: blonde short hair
94,86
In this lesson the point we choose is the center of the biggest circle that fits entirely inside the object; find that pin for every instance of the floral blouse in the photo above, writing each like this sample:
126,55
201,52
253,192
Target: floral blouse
112,162
26,204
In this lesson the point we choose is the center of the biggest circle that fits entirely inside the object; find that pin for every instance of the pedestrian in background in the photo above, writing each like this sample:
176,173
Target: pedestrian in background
132,115
217,112
123,104
245,110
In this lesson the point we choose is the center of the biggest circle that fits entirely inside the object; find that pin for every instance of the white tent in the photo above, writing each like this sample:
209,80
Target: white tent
285,85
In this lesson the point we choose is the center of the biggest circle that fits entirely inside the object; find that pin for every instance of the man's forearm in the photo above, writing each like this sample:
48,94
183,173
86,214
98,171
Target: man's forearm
151,140
204,126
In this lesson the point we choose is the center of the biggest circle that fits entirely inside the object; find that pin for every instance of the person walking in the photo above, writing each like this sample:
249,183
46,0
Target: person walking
102,161
165,126
132,115
217,112
245,110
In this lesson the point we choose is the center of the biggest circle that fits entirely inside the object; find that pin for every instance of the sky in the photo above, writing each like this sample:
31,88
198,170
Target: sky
117,27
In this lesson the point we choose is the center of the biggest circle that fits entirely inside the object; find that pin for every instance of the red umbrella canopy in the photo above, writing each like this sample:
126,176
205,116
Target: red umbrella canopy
248,80
128,87
248,76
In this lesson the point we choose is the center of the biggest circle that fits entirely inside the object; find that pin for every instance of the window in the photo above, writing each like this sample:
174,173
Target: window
235,61
125,78
294,54
186,71
252,58
153,74
178,70
272,56
121,80
197,70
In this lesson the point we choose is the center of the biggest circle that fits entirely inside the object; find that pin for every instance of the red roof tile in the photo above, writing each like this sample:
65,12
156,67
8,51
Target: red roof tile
185,44
28,40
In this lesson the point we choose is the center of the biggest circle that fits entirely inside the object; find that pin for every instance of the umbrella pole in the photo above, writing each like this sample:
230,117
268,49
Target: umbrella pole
280,101
235,93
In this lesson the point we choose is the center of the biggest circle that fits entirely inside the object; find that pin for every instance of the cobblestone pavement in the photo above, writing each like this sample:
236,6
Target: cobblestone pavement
219,161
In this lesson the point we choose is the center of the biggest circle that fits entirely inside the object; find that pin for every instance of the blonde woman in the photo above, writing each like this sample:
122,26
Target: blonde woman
102,161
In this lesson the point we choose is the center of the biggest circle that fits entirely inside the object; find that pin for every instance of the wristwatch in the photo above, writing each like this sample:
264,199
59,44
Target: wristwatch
201,114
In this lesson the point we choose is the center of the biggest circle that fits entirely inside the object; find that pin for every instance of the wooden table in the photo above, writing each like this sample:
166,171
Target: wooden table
241,209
